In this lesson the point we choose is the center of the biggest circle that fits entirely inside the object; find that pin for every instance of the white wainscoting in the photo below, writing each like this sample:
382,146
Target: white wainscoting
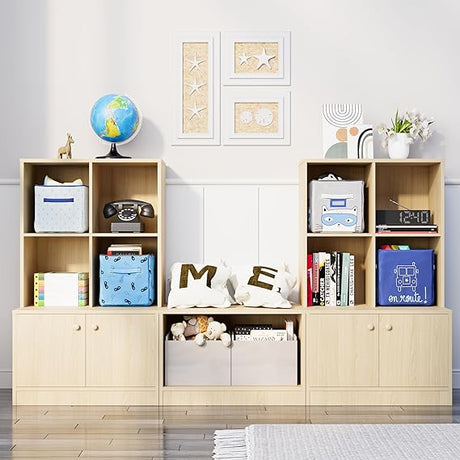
206,222
239,224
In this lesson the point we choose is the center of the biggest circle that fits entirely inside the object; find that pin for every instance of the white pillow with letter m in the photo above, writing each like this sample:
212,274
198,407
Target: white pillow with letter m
198,285
261,286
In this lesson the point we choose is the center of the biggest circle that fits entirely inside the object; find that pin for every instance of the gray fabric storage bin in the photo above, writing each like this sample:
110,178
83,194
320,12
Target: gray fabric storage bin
336,206
188,364
61,208
264,363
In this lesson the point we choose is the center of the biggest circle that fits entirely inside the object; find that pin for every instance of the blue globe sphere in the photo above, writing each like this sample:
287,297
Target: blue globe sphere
115,118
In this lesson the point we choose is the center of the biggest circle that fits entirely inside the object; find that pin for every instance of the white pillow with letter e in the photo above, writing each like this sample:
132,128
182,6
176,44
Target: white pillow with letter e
199,285
262,286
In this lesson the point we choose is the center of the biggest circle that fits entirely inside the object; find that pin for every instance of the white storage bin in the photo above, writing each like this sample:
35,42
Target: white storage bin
264,363
61,208
188,364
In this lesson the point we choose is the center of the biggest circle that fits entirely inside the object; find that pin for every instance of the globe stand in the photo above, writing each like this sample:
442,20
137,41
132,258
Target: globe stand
113,154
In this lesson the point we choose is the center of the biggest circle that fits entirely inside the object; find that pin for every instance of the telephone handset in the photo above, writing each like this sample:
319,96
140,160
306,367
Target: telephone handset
127,212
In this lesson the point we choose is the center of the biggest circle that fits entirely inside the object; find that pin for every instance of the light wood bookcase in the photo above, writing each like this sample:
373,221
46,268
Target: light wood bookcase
369,354
366,354
88,355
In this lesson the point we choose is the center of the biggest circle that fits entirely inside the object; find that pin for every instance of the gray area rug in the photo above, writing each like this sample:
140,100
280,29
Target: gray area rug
357,442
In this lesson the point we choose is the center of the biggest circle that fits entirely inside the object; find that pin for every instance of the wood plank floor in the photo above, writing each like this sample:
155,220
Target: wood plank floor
168,432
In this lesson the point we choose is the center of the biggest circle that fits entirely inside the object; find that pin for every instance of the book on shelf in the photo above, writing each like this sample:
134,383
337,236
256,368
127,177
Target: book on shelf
264,332
322,278
345,279
309,279
338,276
335,278
124,249
315,279
388,228
351,282
61,289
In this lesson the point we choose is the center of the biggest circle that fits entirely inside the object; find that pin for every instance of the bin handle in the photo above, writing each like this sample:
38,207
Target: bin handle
125,271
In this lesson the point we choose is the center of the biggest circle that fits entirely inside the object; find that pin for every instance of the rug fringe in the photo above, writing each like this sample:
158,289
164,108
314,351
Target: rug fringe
230,445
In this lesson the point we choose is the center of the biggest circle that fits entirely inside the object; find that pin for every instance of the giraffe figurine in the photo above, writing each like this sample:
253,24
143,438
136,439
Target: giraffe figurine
66,151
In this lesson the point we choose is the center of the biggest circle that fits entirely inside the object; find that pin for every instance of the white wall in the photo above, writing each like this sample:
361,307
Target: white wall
59,56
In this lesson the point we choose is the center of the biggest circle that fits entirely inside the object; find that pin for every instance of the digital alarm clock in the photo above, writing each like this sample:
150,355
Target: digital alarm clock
404,217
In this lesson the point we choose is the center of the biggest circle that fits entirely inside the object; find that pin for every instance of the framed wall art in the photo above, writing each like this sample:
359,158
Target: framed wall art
256,116
256,58
196,88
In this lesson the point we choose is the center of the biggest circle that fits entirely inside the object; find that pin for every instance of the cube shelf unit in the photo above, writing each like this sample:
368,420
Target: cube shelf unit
105,355
378,355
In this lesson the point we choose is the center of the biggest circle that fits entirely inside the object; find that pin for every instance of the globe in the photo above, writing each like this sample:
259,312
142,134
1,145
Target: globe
115,119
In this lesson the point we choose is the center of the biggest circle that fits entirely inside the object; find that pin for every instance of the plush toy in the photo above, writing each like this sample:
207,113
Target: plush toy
214,331
177,330
196,324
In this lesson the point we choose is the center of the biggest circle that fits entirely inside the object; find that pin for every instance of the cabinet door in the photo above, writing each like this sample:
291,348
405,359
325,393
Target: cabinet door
49,350
121,350
415,350
342,350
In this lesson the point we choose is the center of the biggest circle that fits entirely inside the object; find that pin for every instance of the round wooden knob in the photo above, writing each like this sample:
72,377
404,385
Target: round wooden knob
371,327
95,327
388,327
76,327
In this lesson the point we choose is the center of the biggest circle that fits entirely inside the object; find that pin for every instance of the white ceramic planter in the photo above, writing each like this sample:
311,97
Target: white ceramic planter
399,146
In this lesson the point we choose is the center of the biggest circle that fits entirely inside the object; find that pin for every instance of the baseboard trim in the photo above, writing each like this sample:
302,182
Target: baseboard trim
5,378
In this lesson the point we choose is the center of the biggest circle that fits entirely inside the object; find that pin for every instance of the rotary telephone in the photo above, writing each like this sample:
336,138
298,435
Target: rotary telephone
127,212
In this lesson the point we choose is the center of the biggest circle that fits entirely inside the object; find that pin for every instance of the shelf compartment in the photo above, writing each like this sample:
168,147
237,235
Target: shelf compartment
414,186
33,173
100,245
421,243
124,181
362,248
354,170
52,254
286,355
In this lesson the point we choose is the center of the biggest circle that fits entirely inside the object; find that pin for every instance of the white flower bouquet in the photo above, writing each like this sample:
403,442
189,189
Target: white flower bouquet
412,123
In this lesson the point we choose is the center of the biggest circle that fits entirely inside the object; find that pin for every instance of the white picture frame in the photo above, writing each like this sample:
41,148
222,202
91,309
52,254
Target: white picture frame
266,74
256,116
186,84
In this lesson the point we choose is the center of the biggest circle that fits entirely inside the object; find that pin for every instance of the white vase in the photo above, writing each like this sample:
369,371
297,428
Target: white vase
399,145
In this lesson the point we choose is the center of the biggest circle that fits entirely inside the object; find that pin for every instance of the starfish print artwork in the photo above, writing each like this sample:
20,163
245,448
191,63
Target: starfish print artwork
264,59
195,111
194,86
195,63
244,59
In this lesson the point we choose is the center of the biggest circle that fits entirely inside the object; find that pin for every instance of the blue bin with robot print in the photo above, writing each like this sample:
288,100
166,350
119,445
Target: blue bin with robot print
126,280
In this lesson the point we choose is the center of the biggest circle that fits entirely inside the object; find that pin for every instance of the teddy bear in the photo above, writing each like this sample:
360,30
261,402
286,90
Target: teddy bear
196,324
177,330
214,331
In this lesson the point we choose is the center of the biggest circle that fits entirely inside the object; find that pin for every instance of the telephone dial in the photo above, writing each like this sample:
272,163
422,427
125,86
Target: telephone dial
127,212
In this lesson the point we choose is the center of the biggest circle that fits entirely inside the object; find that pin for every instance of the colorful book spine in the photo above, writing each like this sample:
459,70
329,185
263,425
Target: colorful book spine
327,280
345,279
333,283
39,288
351,283
309,280
315,279
322,278
338,276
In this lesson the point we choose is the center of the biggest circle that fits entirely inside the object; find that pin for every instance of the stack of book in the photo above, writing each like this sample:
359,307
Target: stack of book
66,289
263,332
331,279
124,250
